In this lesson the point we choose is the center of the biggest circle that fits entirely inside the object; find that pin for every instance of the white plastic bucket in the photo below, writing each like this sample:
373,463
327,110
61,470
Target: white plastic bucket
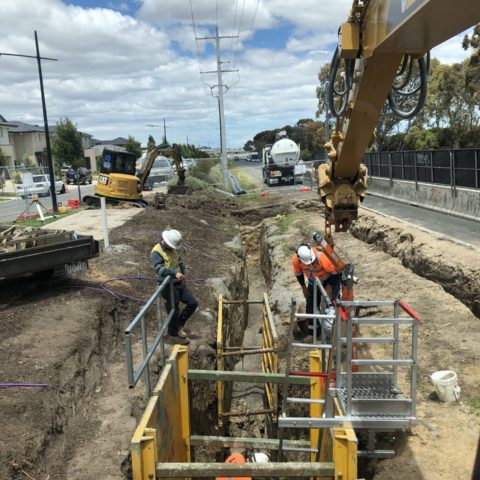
446,385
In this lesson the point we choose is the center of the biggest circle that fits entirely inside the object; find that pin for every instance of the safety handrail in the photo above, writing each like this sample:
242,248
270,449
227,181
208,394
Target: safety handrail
135,374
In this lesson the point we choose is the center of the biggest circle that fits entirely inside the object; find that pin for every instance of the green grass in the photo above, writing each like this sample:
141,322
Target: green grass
35,222
474,404
283,222
247,181
193,182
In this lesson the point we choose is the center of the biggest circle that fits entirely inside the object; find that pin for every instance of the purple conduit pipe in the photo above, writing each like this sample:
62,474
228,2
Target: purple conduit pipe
8,385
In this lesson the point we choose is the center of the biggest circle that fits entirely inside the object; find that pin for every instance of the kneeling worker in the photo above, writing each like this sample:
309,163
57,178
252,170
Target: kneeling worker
309,262
167,262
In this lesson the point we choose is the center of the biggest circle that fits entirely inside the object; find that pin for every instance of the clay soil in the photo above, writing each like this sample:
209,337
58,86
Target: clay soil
70,337
67,334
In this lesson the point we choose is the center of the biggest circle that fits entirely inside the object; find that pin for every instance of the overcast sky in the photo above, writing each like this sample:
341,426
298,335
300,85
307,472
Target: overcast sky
126,64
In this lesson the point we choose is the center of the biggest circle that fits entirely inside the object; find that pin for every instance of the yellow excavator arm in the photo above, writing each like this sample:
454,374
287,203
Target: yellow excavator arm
380,54
172,152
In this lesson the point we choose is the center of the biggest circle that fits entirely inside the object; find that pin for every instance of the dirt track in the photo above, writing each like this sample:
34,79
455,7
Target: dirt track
69,337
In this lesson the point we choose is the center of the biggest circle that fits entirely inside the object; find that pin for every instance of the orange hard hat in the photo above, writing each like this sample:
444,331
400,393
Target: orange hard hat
235,458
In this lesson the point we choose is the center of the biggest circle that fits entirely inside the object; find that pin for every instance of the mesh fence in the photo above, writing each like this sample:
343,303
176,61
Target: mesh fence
459,167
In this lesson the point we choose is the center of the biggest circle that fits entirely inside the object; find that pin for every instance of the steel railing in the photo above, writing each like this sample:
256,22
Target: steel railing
453,167
148,351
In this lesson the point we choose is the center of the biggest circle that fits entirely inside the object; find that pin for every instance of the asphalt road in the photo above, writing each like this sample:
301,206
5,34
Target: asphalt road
450,226
11,209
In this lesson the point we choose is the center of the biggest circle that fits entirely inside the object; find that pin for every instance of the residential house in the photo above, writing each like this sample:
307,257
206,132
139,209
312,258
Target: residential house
29,144
5,145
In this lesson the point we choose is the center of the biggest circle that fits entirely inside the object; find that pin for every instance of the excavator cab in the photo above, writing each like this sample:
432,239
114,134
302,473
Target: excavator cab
117,177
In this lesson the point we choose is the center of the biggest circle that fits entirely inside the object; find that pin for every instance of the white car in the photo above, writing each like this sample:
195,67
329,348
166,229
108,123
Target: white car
38,185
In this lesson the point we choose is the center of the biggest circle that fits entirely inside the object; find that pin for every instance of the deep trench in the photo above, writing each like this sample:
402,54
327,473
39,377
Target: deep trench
81,373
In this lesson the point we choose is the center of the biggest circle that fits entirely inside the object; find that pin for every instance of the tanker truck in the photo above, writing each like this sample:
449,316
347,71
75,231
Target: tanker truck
279,161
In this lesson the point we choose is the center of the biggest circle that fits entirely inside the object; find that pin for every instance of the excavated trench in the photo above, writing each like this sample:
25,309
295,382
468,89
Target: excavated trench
89,380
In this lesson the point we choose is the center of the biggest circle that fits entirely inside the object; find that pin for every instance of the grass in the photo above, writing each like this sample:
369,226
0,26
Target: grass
35,222
247,181
283,222
474,404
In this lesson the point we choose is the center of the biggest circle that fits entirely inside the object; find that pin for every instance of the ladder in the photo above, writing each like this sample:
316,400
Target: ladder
327,367
369,400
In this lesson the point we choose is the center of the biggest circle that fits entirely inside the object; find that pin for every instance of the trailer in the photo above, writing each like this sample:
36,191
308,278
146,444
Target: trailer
35,250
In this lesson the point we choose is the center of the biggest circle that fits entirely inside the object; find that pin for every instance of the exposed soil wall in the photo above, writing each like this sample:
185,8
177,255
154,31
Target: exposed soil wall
443,444
453,267
70,337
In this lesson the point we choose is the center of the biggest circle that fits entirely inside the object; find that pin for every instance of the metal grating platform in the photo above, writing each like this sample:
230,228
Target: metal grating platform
374,395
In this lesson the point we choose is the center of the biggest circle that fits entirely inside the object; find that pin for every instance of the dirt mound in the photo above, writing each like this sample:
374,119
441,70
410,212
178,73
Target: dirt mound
68,334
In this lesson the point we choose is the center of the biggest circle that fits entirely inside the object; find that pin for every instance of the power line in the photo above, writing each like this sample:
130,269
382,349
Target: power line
248,38
197,52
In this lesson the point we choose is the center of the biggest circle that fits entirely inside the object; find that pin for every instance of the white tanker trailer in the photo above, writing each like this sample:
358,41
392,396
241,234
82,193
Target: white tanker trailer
279,162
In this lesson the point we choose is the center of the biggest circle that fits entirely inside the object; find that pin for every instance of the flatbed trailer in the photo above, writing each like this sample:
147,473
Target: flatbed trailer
34,250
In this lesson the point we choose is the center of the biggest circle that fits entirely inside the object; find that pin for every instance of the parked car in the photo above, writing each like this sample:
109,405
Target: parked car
81,176
38,185
161,170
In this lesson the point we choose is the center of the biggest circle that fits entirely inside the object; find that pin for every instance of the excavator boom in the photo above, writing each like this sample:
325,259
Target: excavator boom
376,45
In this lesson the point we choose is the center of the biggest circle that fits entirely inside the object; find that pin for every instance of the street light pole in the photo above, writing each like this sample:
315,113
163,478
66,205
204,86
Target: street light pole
45,121
47,133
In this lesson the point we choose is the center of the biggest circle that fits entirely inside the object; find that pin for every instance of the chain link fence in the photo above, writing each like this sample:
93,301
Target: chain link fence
455,167
11,177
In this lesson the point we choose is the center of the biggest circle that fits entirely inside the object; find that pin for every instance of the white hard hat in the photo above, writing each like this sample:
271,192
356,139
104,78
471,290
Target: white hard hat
306,255
260,457
173,238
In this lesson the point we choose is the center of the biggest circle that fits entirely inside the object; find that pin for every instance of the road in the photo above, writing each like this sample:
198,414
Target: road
11,209
441,223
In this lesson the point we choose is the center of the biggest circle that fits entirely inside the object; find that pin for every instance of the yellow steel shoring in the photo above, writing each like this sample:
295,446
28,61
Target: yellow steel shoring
343,451
220,361
163,434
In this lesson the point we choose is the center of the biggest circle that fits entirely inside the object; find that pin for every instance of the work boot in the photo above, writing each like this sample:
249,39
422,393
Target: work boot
179,340
182,333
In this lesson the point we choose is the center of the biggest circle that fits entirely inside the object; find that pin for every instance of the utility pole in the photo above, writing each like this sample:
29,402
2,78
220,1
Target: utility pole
221,113
164,139
45,120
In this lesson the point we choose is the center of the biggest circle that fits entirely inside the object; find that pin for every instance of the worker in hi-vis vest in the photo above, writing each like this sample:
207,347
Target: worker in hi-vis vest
167,262
314,264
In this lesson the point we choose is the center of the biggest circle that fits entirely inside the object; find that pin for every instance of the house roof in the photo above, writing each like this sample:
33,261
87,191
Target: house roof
2,119
22,127
119,141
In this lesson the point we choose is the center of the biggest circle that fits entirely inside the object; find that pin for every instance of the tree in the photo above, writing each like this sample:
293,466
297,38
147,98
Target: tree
133,146
151,143
249,146
67,144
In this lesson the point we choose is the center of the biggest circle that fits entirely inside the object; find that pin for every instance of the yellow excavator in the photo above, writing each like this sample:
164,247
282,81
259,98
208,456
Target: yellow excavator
118,181
382,54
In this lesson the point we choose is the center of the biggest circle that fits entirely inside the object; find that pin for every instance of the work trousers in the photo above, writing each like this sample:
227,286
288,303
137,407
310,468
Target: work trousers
182,294
334,282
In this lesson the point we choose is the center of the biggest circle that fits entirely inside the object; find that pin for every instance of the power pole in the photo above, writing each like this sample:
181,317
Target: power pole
221,114
45,120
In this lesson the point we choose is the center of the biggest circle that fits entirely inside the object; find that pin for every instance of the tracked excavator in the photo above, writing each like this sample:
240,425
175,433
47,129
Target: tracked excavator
118,181
382,55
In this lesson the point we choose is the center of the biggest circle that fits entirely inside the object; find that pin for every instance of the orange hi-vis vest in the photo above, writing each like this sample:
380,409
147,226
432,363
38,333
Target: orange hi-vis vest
320,268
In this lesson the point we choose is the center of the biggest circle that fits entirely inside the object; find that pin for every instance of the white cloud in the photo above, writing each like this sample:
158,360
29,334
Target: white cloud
450,51
116,73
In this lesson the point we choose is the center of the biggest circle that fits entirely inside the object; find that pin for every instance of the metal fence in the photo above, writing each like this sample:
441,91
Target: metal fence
457,168
10,177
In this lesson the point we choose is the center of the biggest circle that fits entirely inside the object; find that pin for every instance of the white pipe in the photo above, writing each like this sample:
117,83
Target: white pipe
106,242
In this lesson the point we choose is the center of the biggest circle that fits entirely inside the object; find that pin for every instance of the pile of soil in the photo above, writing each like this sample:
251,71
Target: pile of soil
67,333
